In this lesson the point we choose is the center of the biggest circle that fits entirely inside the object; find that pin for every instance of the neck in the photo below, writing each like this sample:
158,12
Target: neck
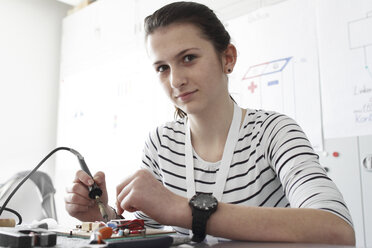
209,130
212,121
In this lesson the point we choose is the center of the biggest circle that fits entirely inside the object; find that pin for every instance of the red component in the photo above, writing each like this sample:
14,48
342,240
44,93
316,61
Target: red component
136,224
335,154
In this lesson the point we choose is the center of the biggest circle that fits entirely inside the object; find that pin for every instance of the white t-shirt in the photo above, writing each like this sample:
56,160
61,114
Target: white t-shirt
273,165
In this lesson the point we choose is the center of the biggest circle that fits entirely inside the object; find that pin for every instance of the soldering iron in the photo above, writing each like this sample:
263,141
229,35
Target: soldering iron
95,192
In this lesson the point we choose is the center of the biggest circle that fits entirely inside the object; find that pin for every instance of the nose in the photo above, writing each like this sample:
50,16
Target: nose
177,78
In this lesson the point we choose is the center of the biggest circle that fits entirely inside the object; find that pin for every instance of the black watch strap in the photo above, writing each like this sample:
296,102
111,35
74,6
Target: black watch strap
199,225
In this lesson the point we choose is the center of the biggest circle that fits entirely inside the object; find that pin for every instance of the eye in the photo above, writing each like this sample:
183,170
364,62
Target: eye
162,68
189,58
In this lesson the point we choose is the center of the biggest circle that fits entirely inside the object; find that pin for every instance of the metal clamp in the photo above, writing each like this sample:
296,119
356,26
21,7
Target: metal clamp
367,162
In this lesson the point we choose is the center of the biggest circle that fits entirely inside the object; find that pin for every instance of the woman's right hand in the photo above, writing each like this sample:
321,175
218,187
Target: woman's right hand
77,201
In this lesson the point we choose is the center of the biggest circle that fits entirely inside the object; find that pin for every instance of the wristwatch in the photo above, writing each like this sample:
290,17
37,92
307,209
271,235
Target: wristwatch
203,206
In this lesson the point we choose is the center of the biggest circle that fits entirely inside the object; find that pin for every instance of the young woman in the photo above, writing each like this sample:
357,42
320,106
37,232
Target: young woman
218,169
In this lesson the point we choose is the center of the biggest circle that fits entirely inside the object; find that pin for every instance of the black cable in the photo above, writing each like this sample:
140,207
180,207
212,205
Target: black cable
3,207
15,213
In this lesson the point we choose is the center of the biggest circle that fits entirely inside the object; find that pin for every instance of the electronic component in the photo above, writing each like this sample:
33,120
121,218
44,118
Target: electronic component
91,226
26,237
125,228
119,227
135,224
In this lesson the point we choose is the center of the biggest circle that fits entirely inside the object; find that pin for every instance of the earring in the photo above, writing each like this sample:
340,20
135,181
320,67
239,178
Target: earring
229,70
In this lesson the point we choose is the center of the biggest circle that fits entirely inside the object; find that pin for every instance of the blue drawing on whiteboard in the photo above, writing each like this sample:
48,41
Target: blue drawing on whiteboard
266,68
271,83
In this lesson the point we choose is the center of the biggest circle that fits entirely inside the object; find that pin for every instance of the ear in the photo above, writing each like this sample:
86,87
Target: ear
229,58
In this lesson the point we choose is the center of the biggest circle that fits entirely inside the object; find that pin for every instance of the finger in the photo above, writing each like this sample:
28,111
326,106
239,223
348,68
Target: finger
123,184
79,189
120,198
123,194
138,174
118,207
75,209
78,199
82,177
100,179
125,187
127,203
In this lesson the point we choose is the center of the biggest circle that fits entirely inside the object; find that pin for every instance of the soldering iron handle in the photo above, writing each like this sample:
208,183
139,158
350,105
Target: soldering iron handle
94,190
84,166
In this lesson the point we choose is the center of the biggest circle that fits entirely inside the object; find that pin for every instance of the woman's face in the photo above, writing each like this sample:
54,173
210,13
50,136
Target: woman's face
188,67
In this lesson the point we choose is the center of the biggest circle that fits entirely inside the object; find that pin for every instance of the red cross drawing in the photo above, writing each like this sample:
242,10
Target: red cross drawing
252,86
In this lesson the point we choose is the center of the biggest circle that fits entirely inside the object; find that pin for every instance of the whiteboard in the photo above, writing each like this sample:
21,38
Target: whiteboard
345,45
277,66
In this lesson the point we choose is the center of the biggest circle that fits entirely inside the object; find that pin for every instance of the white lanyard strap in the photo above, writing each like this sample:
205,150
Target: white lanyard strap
232,139
189,160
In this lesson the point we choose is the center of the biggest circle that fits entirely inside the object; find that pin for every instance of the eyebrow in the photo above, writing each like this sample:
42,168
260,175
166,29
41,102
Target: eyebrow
177,55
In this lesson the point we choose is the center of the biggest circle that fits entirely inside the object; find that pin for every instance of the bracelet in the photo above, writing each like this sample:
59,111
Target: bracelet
117,216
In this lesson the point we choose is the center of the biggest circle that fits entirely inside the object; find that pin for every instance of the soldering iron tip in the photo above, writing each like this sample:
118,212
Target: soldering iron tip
102,209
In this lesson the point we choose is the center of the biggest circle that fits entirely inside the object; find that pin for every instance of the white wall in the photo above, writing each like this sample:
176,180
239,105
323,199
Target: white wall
30,33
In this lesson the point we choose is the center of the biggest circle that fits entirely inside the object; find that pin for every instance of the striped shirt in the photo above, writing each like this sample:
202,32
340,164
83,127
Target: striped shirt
273,165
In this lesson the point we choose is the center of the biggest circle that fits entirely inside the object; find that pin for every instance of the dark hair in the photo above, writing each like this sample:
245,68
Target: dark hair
194,13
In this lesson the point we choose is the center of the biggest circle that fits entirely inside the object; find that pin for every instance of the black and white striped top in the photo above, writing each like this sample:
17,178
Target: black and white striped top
273,165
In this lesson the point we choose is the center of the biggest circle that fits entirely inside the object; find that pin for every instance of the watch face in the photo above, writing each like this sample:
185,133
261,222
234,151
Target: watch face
204,202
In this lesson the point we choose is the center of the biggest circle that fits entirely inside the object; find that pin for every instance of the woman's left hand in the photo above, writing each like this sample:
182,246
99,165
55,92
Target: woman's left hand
142,192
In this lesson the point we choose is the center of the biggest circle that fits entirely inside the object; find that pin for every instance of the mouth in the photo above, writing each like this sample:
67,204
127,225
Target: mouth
186,95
